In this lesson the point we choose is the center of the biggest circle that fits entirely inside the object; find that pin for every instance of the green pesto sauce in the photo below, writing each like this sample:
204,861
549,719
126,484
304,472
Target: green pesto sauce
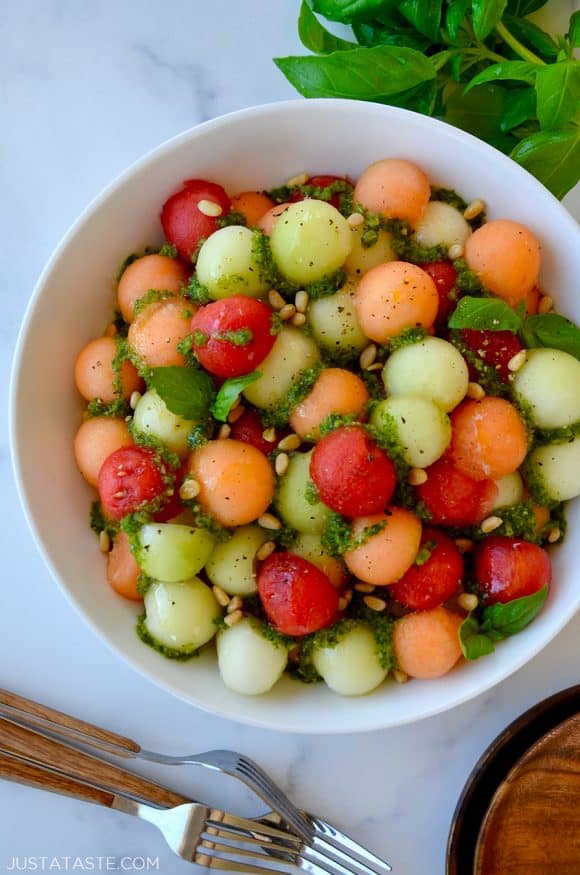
100,523
487,376
382,624
118,409
239,337
536,485
407,337
169,250
374,384
200,434
325,287
132,257
336,535
449,196
518,522
334,421
146,637
328,638
198,338
280,414
563,435
311,492
425,553
262,255
143,583
387,438
285,537
151,296
204,521
276,324
163,455
527,414
234,217
284,193
467,280
196,292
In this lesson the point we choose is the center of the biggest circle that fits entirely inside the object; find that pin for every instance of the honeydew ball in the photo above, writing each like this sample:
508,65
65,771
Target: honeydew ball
310,240
227,266
334,323
351,667
556,469
292,353
153,417
248,662
510,491
171,552
420,426
549,383
431,368
181,615
309,546
291,501
441,225
363,258
232,565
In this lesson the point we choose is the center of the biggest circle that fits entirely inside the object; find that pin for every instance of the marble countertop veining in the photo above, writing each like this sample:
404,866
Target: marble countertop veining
85,89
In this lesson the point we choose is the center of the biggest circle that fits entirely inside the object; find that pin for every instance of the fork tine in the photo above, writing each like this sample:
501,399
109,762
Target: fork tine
209,861
262,784
254,828
343,843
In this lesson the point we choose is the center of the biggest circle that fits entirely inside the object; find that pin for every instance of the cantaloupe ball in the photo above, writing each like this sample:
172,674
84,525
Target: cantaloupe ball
94,374
506,257
394,187
95,440
157,330
236,481
122,569
384,558
269,219
432,368
395,296
442,225
252,205
488,439
426,643
335,391
158,272
364,258
549,383
309,546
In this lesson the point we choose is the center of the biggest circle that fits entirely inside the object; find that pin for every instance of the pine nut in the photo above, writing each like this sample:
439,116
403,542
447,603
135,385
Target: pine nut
269,435
475,391
298,319
236,413
401,677
189,489
376,366
289,443
517,361
367,356
455,251
374,603
134,400
276,300
345,600
417,476
233,618
224,432
104,542
281,464
269,521
545,305
221,596
299,179
464,545
491,524
209,208
301,301
473,209
468,601
235,604
265,550
554,536
364,587
355,219
287,312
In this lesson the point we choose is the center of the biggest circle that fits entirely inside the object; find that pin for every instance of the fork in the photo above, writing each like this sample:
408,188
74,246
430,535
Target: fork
324,854
82,735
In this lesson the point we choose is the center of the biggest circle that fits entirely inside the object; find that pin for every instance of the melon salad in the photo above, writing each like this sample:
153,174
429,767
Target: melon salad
332,427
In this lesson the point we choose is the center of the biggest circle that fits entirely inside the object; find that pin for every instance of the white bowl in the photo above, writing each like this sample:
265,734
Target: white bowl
254,148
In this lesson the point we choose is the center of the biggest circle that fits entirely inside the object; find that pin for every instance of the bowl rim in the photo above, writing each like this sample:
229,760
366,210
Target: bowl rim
366,722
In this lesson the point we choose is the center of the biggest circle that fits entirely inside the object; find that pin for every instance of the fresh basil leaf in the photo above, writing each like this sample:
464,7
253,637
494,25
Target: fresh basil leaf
553,157
519,106
478,111
532,36
315,37
520,71
424,15
558,92
421,98
186,392
503,620
525,7
486,14
346,11
454,16
574,30
363,74
376,34
229,393
553,331
473,644
484,314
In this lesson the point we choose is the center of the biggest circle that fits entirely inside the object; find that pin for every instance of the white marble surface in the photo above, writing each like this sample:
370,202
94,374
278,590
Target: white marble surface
86,88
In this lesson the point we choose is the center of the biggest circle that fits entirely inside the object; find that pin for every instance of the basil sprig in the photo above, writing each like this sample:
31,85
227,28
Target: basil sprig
477,637
481,65
187,392
229,393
